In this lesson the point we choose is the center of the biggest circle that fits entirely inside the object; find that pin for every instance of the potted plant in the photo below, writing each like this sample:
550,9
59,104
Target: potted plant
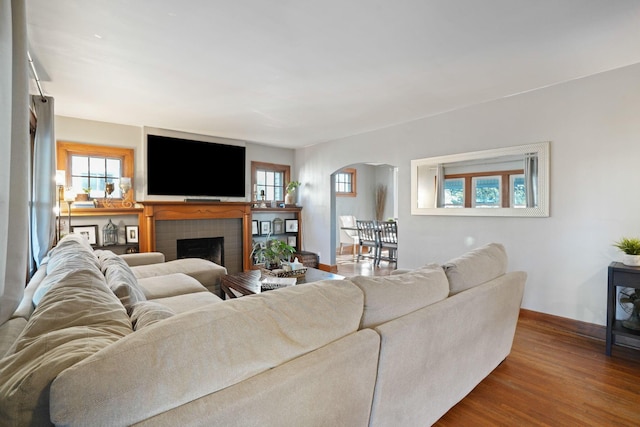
289,198
273,253
631,248
84,196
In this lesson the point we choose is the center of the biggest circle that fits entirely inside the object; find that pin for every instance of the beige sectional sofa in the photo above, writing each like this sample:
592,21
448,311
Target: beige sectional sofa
103,347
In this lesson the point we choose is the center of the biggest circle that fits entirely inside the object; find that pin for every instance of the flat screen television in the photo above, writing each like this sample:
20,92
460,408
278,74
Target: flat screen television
183,167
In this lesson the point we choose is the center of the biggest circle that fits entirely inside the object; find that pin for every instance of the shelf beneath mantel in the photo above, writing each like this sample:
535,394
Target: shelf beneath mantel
101,211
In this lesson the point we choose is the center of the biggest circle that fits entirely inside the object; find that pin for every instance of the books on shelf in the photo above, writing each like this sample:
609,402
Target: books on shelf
83,205
282,281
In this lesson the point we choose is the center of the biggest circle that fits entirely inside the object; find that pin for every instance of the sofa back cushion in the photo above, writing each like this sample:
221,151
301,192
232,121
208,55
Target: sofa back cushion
208,273
120,279
476,267
73,252
195,353
75,318
389,297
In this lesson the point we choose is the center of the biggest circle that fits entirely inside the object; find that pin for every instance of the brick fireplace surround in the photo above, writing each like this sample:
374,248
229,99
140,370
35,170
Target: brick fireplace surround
152,232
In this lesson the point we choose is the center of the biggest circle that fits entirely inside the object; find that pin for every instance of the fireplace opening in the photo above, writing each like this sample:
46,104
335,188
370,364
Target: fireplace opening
211,248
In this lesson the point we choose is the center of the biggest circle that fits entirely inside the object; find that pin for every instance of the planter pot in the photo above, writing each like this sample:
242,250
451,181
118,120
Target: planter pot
631,260
290,199
82,197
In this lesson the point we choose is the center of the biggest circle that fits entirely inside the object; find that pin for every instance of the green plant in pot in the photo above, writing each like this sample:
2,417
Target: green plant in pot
631,248
273,253
84,196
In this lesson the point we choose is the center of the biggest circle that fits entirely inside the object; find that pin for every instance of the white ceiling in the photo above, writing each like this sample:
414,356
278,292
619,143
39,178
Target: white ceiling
297,72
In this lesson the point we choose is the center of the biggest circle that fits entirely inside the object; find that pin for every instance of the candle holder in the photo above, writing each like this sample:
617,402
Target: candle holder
125,186
263,203
109,187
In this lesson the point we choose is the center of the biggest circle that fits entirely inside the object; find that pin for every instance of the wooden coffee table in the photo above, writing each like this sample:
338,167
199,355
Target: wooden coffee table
248,282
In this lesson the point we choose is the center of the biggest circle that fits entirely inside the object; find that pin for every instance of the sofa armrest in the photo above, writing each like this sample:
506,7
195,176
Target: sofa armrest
143,258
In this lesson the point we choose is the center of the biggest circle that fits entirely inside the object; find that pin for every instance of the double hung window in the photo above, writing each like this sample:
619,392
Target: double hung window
346,182
269,180
90,167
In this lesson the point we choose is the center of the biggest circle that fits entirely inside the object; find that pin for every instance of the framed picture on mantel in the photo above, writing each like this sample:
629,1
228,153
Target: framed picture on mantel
131,233
265,227
291,225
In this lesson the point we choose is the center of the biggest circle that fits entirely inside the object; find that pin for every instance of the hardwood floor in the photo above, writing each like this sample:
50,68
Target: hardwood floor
554,376
348,267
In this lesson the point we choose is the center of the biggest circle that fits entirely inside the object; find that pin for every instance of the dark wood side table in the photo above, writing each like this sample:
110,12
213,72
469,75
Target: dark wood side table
248,282
620,275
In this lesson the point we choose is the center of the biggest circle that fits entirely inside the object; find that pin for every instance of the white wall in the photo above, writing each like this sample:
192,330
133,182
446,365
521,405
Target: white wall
594,128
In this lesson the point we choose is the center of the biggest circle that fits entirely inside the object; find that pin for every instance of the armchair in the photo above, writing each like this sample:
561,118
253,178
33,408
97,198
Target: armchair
348,232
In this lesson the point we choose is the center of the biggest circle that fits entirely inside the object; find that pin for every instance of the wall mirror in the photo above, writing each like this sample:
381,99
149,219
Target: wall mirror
512,181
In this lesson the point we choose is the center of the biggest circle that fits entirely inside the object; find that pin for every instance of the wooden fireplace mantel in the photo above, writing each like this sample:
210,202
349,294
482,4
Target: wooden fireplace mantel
162,211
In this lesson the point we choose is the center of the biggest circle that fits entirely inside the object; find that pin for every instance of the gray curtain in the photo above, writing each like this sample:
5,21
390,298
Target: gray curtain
43,196
440,186
531,179
14,155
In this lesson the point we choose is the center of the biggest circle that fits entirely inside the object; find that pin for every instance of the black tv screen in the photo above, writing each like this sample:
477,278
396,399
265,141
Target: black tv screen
182,167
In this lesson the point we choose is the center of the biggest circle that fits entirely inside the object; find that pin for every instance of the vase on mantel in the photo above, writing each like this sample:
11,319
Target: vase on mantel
290,198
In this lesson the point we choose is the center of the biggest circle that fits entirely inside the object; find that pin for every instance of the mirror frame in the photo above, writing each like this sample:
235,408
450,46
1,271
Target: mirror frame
542,210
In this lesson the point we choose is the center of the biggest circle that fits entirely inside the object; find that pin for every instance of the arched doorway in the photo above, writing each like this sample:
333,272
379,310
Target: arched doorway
374,185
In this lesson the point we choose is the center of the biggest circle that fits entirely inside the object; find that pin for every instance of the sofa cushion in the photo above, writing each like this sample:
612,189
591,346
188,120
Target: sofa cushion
66,248
120,279
9,332
389,297
145,313
143,258
186,302
225,343
476,267
73,252
169,285
77,317
204,271
26,306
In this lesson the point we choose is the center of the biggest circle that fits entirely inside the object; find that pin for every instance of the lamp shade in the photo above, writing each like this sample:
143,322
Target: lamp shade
60,177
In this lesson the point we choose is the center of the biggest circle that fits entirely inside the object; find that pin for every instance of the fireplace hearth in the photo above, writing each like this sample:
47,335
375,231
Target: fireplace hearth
210,248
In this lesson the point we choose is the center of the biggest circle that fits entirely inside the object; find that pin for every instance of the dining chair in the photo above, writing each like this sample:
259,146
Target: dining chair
388,239
367,237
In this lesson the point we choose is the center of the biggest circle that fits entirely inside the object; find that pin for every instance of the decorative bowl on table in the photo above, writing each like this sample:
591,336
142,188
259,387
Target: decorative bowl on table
282,273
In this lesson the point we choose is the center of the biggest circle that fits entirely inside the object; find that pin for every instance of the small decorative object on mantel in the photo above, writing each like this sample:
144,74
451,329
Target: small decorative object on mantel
110,234
290,197
263,199
278,226
109,187
84,196
631,248
131,233
125,186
